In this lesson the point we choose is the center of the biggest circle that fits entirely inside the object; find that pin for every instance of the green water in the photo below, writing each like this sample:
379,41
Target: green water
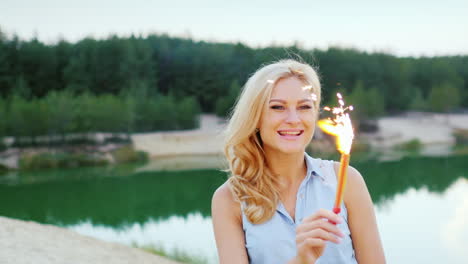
421,205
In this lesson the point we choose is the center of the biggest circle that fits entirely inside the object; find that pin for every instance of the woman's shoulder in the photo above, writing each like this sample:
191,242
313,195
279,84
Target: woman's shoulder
353,174
332,166
224,201
224,193
330,171
354,182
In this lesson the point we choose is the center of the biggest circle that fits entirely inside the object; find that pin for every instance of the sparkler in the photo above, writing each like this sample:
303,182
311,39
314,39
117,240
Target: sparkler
340,126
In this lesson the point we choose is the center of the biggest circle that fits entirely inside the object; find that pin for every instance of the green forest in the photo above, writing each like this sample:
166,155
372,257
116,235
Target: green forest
153,83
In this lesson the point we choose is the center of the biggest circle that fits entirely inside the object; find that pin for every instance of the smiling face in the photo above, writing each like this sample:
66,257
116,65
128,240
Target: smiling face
288,120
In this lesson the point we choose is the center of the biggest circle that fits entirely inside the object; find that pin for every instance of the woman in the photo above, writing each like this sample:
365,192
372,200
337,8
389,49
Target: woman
274,206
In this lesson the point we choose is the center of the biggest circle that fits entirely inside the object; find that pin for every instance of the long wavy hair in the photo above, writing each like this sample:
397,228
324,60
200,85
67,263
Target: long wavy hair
251,181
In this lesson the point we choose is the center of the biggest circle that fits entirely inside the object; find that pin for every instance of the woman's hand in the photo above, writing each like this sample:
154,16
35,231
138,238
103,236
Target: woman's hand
313,233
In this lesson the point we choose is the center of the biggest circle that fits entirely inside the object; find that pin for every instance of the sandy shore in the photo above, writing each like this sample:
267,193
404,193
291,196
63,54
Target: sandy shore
206,140
24,242
428,128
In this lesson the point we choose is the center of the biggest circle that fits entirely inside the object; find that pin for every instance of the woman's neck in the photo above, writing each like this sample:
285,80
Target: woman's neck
289,168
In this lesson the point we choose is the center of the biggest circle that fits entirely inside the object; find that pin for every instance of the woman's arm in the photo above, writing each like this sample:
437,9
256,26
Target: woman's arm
361,220
227,225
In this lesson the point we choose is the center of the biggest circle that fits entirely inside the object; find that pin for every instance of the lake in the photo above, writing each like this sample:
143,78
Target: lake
421,205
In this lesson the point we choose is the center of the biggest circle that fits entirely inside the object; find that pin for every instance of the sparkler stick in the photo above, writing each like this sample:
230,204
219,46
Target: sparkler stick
340,126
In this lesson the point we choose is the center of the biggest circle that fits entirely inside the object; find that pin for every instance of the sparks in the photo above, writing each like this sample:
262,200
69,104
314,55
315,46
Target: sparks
307,87
339,126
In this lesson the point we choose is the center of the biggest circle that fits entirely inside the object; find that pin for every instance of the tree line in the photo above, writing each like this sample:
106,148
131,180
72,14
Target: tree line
159,66
60,113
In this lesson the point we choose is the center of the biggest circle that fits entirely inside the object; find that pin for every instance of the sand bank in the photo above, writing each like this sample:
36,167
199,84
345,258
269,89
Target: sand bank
428,128
24,242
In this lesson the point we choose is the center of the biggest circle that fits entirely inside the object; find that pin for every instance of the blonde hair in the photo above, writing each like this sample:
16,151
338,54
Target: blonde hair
251,181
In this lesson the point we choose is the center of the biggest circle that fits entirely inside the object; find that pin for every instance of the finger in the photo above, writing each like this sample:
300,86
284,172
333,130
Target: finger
325,225
310,249
317,233
323,213
311,243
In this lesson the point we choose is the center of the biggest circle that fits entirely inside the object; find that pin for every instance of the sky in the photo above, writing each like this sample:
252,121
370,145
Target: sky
400,27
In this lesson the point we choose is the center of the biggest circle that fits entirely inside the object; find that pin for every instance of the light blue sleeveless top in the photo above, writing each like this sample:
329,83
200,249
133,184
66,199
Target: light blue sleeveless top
273,242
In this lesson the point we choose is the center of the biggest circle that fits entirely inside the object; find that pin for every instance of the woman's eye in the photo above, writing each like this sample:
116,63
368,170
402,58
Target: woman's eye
277,107
305,107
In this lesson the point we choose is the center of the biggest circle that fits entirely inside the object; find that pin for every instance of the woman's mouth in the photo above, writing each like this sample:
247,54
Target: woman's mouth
290,133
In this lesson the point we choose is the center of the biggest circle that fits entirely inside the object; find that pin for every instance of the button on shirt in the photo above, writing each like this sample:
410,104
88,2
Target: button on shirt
274,240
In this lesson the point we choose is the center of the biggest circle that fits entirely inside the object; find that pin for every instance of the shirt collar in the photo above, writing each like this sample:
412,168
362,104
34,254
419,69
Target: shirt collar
313,168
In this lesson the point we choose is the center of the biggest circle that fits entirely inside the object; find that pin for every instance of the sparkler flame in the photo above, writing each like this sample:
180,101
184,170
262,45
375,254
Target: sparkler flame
339,126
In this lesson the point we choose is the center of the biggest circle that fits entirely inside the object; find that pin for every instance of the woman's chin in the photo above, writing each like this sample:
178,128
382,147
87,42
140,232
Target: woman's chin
285,147
291,149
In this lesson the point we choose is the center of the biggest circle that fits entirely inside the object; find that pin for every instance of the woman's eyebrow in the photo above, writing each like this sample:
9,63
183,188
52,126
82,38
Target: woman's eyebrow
284,101
277,100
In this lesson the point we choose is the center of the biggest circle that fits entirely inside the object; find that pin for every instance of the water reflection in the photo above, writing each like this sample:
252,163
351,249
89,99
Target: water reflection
454,232
192,234
420,226
72,196
112,201
387,179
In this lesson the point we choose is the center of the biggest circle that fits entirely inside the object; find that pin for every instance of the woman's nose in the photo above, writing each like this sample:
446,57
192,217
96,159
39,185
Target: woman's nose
292,117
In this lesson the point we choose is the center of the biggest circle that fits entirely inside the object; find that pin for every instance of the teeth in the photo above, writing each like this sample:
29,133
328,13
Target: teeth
290,133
